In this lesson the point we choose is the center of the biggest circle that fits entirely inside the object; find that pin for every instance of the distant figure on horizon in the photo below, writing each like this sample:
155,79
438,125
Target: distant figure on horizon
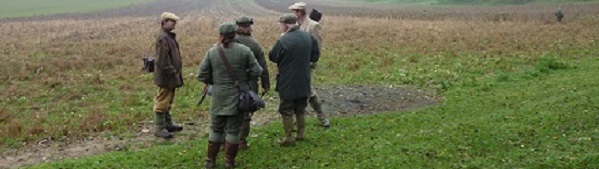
559,14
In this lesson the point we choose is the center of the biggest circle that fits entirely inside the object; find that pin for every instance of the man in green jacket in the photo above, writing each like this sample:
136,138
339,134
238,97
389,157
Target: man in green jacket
244,37
293,52
225,117
167,76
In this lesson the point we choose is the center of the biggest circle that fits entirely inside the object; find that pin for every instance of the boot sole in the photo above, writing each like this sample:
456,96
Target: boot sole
164,137
167,138
287,144
175,131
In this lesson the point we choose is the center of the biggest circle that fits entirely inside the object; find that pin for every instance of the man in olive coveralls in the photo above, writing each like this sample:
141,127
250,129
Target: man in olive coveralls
244,37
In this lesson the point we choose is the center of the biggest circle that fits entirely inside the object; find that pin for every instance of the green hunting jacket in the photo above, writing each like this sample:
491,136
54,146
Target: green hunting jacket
212,71
256,49
293,53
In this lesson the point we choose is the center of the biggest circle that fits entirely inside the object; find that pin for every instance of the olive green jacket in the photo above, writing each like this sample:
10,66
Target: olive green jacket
256,49
212,71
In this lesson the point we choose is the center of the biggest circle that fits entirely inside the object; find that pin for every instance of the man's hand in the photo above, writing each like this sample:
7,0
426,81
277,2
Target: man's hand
265,90
170,69
313,65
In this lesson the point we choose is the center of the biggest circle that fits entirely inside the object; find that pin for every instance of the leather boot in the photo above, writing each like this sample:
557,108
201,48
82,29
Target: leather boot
161,130
243,135
243,145
315,104
170,126
230,154
222,146
301,126
289,140
213,148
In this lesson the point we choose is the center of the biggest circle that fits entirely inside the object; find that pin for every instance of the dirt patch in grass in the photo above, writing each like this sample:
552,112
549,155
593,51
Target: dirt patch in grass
337,101
348,100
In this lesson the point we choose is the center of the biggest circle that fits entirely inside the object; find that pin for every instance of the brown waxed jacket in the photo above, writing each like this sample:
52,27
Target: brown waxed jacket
168,66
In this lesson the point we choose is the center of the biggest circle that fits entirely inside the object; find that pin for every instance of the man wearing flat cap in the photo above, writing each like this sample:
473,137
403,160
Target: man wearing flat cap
225,117
293,52
244,37
312,27
167,76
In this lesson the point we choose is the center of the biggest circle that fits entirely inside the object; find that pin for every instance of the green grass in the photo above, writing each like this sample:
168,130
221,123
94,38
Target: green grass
541,117
22,8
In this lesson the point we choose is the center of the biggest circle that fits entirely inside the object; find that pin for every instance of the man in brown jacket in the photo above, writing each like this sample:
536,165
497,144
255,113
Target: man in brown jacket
167,76
312,27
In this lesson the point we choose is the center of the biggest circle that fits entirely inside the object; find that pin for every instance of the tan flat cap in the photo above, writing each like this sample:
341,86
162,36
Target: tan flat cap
168,15
298,6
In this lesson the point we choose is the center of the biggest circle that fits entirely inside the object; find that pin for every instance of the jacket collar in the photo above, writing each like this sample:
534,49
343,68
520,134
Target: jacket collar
171,34
294,28
306,21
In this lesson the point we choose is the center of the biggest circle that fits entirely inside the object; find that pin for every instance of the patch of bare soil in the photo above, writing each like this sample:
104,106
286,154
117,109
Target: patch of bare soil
51,149
348,100
336,101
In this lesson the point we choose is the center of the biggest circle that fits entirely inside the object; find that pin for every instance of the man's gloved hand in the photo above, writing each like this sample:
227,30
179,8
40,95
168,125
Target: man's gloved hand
313,65
265,90
170,70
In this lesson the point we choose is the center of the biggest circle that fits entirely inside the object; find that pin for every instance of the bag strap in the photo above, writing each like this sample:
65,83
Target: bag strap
227,64
149,51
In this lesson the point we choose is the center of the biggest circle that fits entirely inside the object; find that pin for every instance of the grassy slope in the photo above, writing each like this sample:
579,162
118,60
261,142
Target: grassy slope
543,117
19,8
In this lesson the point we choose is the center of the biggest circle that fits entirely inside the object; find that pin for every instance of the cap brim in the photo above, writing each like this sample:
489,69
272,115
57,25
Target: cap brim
295,8
171,18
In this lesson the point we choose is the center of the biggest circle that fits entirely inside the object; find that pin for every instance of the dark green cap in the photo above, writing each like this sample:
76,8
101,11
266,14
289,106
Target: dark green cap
288,18
227,28
244,20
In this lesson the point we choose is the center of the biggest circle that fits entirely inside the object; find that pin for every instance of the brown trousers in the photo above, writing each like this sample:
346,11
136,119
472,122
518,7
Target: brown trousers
164,100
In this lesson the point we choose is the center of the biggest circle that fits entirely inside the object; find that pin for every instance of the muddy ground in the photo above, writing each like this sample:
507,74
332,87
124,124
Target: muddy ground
338,101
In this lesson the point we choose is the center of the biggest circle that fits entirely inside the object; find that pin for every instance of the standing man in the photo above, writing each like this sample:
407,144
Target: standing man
312,27
244,37
293,53
167,76
559,14
225,117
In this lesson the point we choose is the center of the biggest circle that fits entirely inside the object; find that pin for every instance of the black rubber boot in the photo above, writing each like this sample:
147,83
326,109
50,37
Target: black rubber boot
161,130
170,126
